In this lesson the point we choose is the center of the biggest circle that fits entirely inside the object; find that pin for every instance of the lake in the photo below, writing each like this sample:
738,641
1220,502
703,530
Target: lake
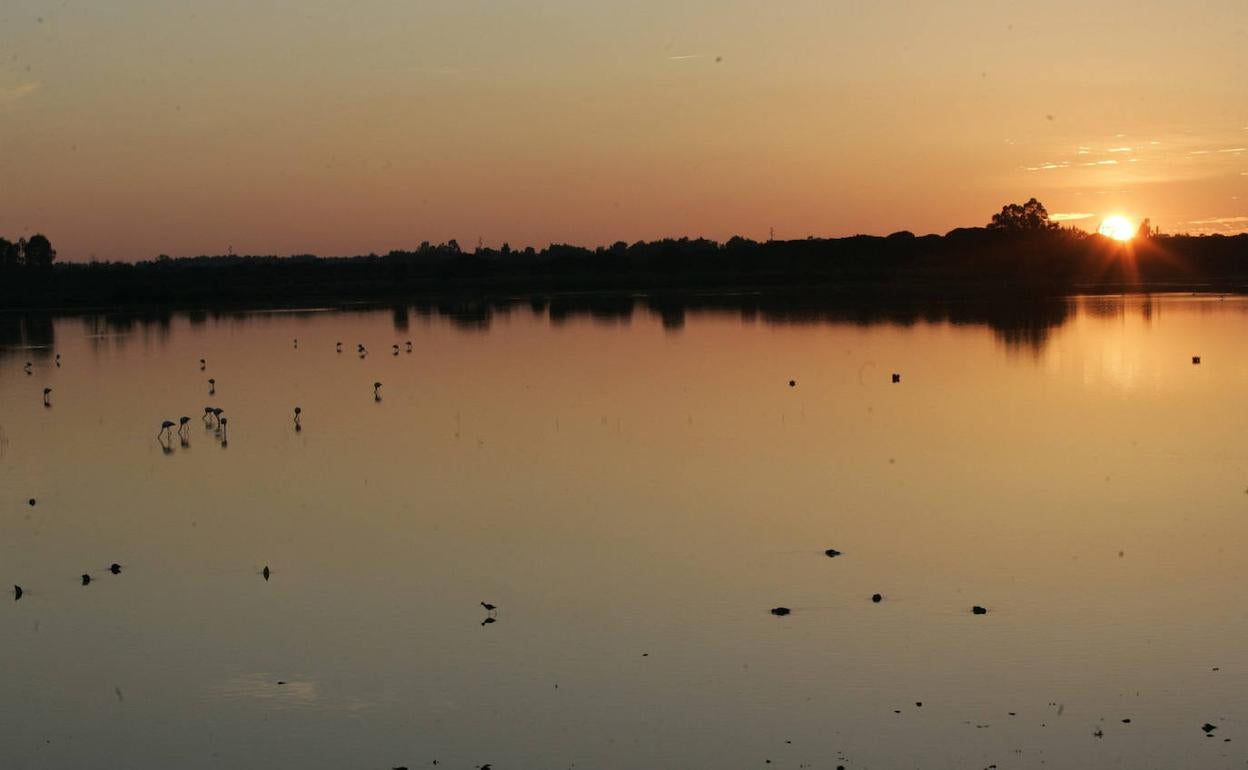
634,485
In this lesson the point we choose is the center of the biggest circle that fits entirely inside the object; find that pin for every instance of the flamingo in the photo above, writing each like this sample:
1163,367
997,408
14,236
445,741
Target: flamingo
298,424
47,396
396,349
212,386
164,428
207,415
409,346
376,391
202,364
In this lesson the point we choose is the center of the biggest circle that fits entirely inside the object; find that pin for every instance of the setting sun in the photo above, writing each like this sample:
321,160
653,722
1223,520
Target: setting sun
1118,228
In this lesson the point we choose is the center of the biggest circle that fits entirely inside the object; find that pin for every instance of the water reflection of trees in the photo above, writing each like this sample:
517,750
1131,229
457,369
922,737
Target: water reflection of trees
1019,322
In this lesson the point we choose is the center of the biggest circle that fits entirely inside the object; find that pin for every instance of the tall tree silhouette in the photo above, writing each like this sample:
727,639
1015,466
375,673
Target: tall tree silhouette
1029,216
39,252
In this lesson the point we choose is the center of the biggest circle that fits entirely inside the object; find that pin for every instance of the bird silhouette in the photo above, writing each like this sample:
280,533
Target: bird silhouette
409,346
58,360
212,386
47,397
488,620
338,347
298,413
17,592
164,428
114,568
376,391
266,572
86,579
202,364
488,607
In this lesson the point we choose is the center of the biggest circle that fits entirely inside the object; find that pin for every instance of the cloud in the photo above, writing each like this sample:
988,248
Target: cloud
13,93
1070,216
1220,221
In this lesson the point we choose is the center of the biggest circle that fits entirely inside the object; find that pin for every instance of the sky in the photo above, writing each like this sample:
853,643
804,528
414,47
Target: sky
134,128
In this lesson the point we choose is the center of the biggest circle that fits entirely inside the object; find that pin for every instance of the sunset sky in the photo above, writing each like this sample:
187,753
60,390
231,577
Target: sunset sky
131,128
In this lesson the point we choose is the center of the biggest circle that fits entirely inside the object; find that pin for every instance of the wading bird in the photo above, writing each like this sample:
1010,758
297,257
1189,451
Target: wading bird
58,360
409,346
212,386
17,592
114,568
266,572
47,397
396,349
164,428
338,347
489,607
86,579
298,413
207,415
376,391
202,364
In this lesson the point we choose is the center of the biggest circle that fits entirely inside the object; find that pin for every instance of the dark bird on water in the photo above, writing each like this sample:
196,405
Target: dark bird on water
1195,359
31,502
86,579
202,364
489,619
782,611
896,377
409,346
164,428
376,391
114,568
338,347
17,592
396,349
488,607
792,383
877,598
979,610
47,397
831,553
58,360
207,414
212,386
266,572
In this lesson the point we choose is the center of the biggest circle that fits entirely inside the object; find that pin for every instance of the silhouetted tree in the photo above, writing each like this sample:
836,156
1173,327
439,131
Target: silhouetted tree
1030,216
39,253
9,255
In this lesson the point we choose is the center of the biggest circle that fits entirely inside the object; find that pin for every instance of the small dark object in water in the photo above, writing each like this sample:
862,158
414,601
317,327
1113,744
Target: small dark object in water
17,592
114,568
488,607
919,703
781,611
1126,721
979,610
1195,359
1098,734
877,598
1208,728
896,377
488,620
792,383
266,572
280,681
31,502
86,579
831,553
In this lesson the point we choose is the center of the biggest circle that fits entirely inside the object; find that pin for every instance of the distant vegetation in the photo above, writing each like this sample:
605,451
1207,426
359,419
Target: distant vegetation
1021,249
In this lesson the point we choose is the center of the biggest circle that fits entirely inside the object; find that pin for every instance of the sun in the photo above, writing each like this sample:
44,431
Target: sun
1118,228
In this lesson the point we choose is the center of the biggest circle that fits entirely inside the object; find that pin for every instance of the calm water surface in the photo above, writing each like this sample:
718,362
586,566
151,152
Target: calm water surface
634,495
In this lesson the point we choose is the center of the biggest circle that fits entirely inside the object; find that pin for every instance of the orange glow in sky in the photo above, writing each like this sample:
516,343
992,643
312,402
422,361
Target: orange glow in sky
130,129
